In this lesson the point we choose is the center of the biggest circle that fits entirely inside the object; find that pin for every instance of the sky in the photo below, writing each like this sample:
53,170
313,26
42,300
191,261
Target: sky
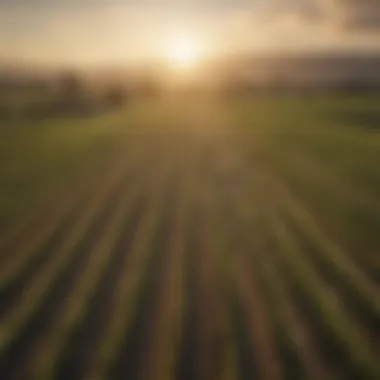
107,31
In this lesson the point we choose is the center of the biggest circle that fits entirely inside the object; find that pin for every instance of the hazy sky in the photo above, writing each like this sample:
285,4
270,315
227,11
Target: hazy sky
98,31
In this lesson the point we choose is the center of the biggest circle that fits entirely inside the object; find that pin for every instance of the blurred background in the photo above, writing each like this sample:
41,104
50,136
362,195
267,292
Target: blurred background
190,189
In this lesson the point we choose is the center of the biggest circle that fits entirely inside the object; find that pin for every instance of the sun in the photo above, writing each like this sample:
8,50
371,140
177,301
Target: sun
183,53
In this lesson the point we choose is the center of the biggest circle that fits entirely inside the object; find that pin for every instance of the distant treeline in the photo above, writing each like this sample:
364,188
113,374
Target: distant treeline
70,94
279,84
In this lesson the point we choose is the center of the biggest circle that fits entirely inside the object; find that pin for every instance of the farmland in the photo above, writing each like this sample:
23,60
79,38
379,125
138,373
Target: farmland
203,239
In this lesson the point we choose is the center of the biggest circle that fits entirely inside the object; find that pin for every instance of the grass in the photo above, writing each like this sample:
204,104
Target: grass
218,239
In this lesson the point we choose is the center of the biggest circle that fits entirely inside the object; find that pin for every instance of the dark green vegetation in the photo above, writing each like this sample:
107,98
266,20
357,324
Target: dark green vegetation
223,239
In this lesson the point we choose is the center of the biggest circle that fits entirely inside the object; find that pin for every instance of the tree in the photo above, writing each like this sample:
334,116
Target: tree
115,96
71,88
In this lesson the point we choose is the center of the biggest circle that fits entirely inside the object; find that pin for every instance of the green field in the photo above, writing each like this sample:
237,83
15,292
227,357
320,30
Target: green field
193,239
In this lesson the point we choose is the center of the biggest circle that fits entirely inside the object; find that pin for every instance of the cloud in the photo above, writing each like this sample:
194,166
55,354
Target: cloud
354,15
280,25
307,25
351,16
307,9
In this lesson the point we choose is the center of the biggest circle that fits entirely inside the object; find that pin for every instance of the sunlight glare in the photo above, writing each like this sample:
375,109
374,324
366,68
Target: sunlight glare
183,53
